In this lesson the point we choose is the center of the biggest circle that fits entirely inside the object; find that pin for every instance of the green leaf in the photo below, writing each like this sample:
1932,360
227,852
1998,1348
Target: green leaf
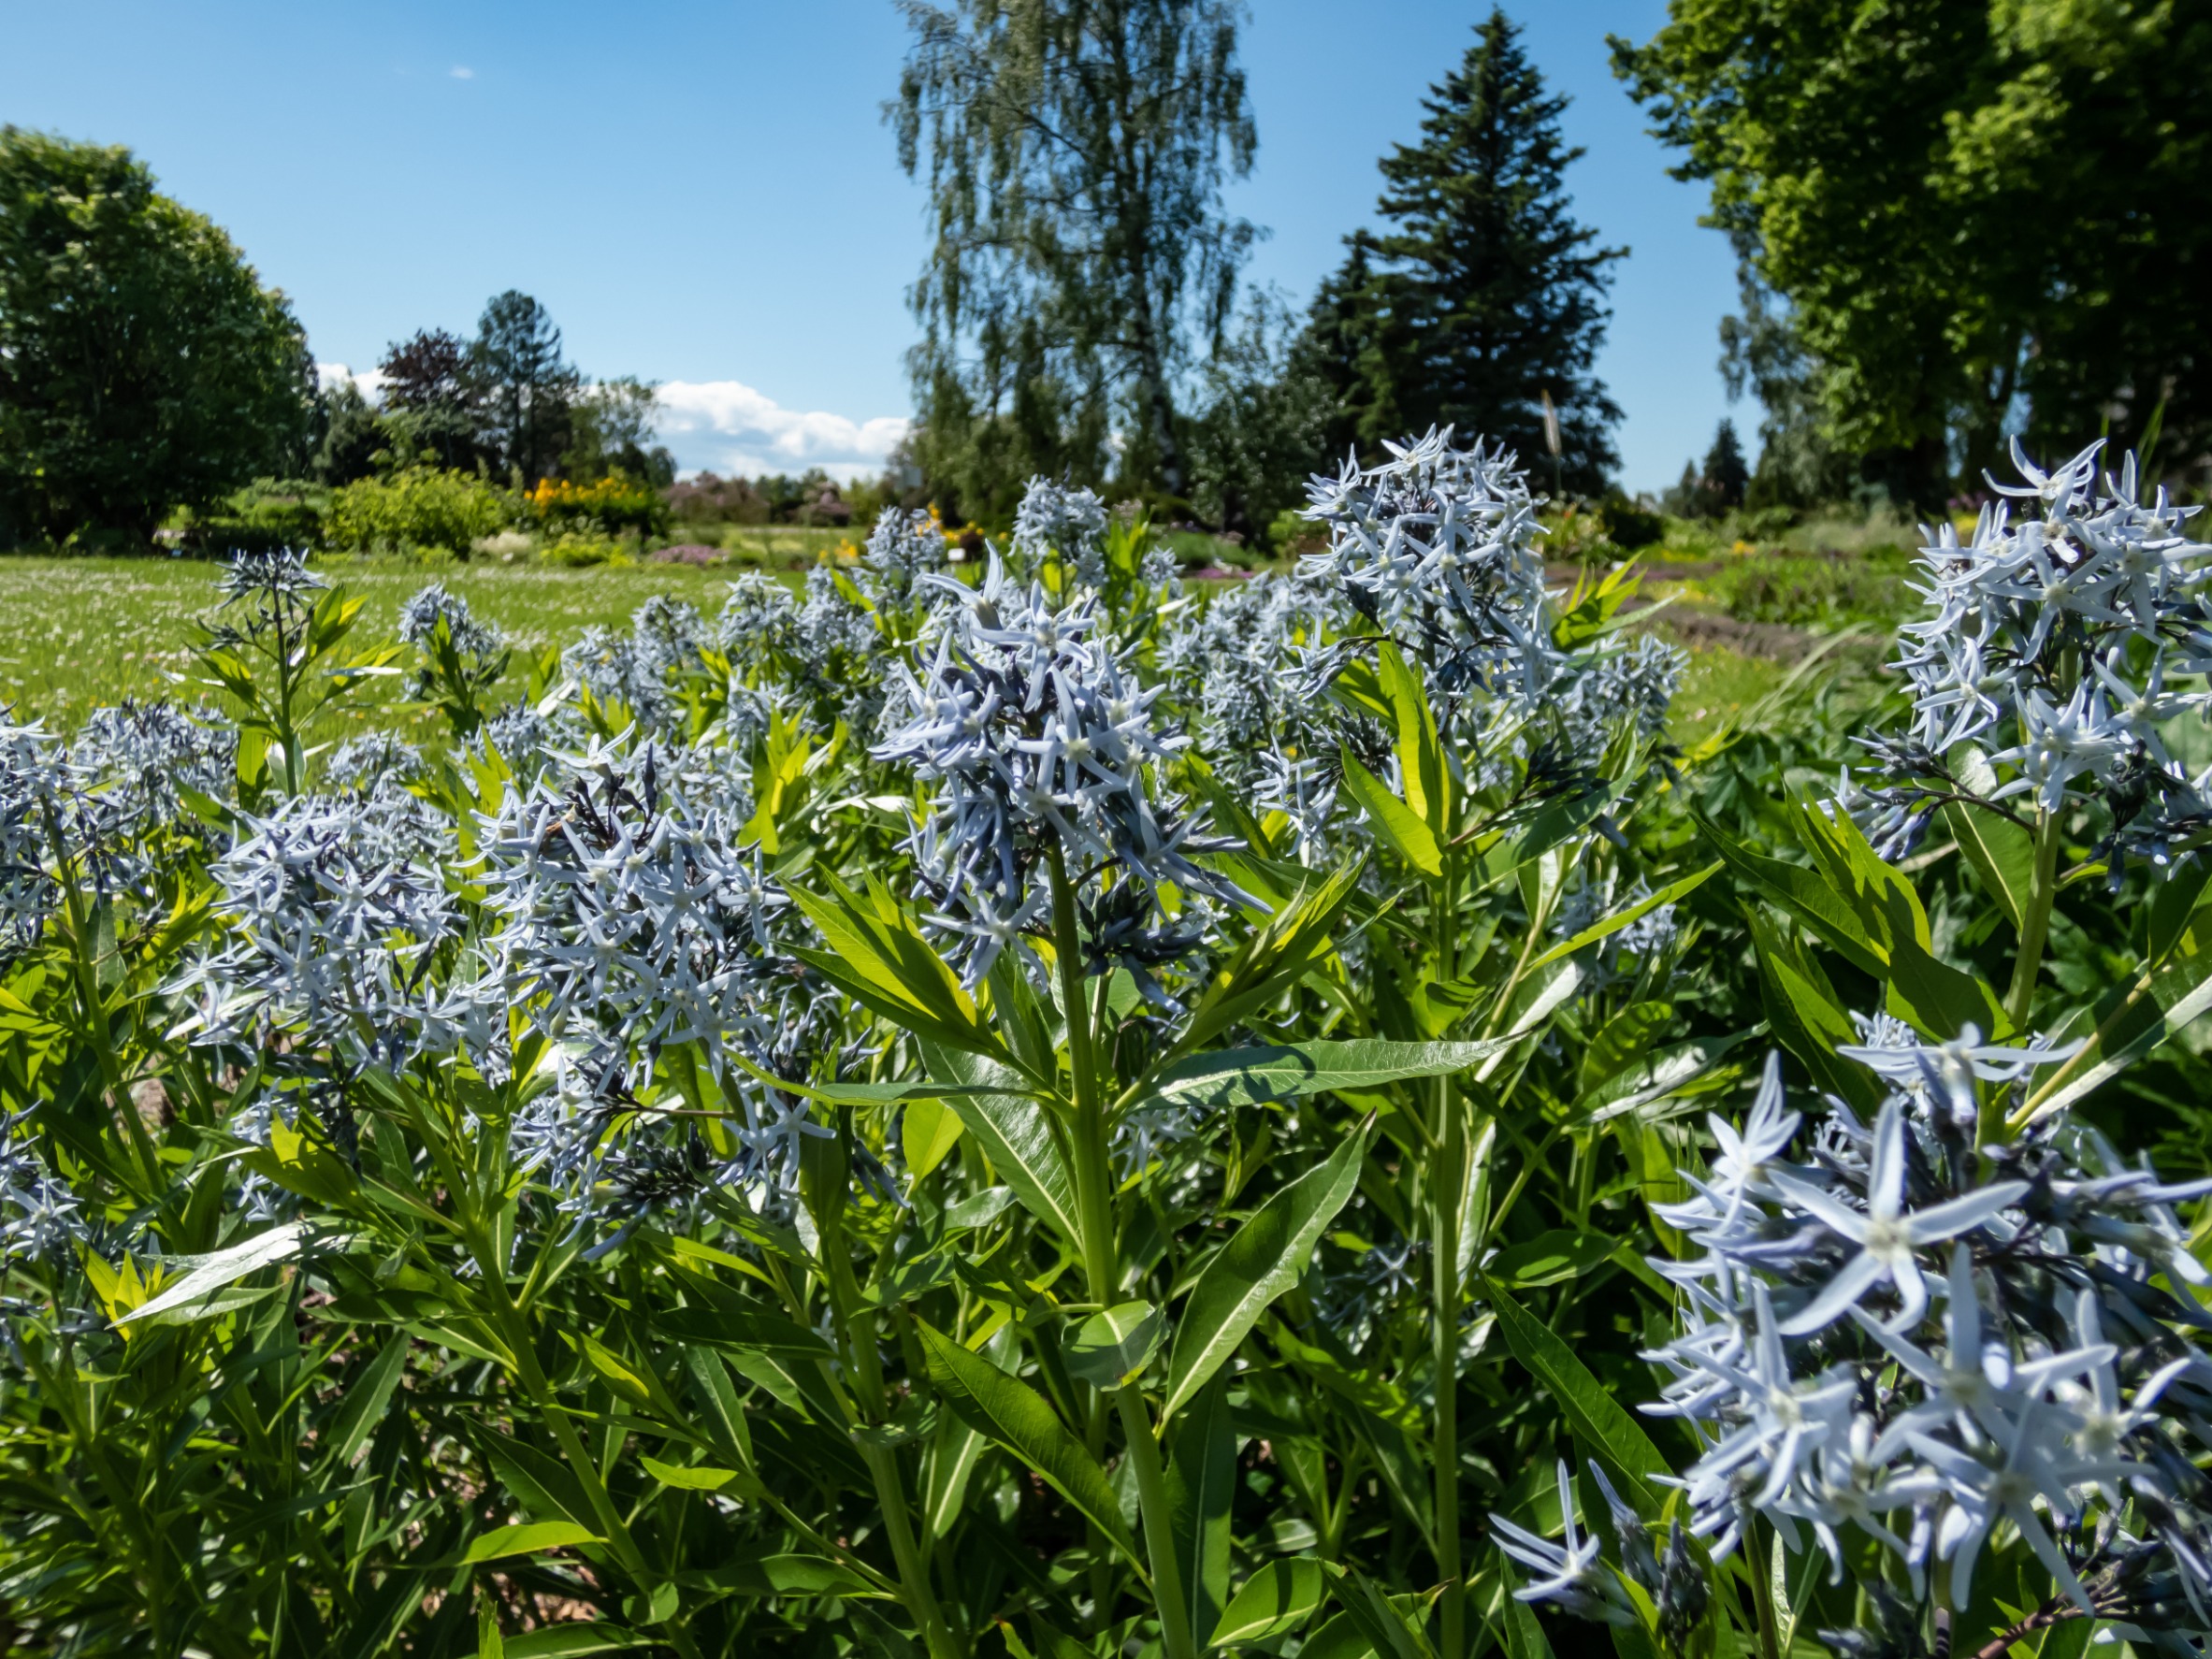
1624,1041
1341,1638
928,1132
569,1642
1939,999
1110,1348
1276,1599
1549,1258
206,1277
1201,1491
2001,853
1590,1409
1015,1415
528,1540
1395,824
723,1326
1250,1076
1524,1636
2173,904
365,1398
1807,895
2179,996
691,1477
785,1574
1421,756
1278,954
1380,1617
1635,913
1015,1134
1807,1016
1261,1261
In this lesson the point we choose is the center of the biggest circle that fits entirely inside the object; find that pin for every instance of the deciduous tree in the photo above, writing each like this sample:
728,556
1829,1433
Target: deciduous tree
143,366
1075,153
1974,212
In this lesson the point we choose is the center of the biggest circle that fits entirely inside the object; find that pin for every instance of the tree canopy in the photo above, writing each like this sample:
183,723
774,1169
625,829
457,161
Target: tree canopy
1075,155
1483,293
523,390
143,366
1977,216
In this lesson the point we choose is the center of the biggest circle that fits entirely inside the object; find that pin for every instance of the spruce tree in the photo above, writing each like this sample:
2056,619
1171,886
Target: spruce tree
1725,472
1484,293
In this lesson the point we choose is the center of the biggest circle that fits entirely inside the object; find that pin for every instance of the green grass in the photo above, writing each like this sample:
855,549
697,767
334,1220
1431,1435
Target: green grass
76,634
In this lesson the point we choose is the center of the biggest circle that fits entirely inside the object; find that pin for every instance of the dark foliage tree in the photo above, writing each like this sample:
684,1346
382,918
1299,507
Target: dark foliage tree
1485,294
523,391
351,438
1726,474
431,399
1076,151
1969,209
1261,422
143,366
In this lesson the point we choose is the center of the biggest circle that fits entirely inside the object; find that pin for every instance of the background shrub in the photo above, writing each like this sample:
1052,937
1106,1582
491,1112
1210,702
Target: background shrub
418,507
1809,591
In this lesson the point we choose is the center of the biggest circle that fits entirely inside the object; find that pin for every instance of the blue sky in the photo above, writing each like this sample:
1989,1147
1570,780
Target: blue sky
704,194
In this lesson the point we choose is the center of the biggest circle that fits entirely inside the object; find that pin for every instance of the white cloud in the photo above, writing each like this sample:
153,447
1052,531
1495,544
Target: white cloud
330,376
726,427
462,72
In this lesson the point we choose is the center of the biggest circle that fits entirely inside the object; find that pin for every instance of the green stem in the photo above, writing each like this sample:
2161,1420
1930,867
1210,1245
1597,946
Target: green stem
84,975
2035,924
1760,1562
1447,1184
1094,1207
914,1573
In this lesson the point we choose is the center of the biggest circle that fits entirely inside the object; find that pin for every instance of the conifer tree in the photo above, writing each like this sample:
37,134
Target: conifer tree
1726,474
1484,293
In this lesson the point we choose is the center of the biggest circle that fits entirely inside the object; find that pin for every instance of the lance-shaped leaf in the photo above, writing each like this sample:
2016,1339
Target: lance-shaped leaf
1202,1483
1015,1134
1259,1263
527,1540
1276,1599
1599,1421
2001,853
209,1275
1249,1076
1110,1347
877,957
1396,824
1634,913
1010,1411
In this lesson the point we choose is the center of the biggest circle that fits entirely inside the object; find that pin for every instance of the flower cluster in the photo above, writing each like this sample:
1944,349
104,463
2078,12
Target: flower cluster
1041,745
1059,521
901,549
420,618
635,669
628,922
2049,643
1894,1332
1572,1577
334,907
143,756
37,1213
757,620
1437,547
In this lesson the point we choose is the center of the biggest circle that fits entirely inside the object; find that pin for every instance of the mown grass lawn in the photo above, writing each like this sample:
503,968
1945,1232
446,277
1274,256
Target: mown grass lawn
76,634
